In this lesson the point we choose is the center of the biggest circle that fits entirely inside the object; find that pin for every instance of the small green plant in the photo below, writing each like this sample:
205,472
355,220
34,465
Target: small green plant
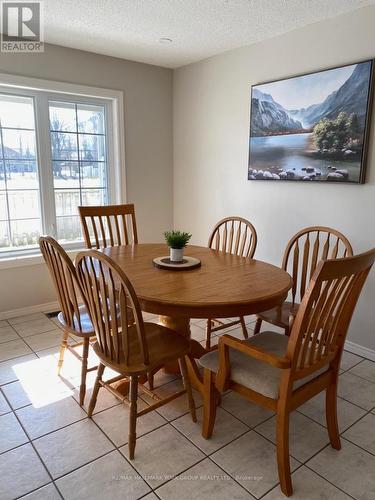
176,239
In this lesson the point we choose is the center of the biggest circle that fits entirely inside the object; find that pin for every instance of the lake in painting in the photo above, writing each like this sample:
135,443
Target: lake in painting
311,127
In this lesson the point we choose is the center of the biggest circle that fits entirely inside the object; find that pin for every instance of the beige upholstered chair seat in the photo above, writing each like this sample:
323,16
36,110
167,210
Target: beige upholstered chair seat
253,374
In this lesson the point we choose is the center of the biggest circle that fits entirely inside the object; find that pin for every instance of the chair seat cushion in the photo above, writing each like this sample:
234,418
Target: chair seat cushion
164,346
279,316
252,373
83,327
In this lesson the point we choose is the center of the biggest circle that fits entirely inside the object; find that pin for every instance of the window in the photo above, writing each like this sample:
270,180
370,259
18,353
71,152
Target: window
57,151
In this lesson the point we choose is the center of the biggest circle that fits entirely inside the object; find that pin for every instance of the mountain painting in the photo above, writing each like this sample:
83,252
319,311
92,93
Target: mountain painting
312,127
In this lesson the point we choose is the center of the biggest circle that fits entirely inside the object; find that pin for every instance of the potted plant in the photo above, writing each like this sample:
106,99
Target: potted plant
177,241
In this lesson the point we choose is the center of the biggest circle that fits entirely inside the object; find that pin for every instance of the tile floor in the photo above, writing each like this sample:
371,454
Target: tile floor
49,449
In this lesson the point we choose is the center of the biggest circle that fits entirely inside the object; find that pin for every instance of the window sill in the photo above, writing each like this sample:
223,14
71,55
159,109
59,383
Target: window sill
32,259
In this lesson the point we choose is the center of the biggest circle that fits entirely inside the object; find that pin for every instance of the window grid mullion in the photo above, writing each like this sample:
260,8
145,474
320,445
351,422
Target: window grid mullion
6,188
47,196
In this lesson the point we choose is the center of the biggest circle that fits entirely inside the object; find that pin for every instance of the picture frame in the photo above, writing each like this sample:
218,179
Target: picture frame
313,126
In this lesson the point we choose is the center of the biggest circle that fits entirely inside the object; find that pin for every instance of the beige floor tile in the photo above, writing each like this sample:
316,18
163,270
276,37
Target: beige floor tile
104,400
21,471
48,492
109,477
66,449
227,428
362,433
235,331
9,370
204,480
365,369
34,327
8,333
3,323
197,333
349,360
177,407
115,422
357,390
11,433
351,469
163,454
45,340
250,413
305,436
26,318
4,407
16,395
13,349
308,486
38,421
347,412
162,378
251,461
150,496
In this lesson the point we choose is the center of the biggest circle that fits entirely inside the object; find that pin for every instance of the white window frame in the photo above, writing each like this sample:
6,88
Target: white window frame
43,91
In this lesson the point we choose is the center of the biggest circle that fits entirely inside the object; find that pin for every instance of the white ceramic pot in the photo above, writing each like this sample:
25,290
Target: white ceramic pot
176,254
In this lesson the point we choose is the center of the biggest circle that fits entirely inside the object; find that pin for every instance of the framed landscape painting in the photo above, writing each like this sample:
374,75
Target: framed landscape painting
312,127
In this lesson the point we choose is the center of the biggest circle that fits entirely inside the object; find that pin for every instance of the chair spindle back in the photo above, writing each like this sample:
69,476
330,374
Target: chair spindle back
320,327
108,225
64,277
109,296
306,249
234,235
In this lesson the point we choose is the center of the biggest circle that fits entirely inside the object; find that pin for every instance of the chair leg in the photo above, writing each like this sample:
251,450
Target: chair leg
133,395
209,403
282,443
187,385
95,390
85,355
150,380
244,329
331,416
258,324
208,334
63,346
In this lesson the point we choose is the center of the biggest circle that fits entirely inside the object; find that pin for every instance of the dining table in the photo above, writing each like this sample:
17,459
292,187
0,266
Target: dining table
224,286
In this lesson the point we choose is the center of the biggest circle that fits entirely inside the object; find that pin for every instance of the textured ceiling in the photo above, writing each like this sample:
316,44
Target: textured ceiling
131,29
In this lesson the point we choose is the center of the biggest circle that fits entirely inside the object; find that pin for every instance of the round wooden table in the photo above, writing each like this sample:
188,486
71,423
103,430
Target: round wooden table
225,285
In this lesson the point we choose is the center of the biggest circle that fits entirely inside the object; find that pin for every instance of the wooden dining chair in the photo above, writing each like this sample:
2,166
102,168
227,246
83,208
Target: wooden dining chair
236,236
108,225
281,373
131,351
301,256
74,318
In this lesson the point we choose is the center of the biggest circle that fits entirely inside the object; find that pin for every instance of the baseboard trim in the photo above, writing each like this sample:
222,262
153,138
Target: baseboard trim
365,352
48,307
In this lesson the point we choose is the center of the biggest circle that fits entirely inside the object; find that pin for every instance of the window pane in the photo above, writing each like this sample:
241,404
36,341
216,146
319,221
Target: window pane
67,201
91,147
94,197
21,174
25,232
2,175
3,206
68,228
64,146
90,119
16,111
19,183
18,144
23,204
4,236
93,174
66,174
62,116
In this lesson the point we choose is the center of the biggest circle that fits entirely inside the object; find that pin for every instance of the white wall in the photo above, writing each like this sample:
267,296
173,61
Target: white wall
148,142
211,129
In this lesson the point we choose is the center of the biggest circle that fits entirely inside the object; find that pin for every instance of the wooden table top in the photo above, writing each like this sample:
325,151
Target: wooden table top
224,286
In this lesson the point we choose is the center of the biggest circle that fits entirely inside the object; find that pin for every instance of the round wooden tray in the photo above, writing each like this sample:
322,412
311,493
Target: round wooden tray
186,264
